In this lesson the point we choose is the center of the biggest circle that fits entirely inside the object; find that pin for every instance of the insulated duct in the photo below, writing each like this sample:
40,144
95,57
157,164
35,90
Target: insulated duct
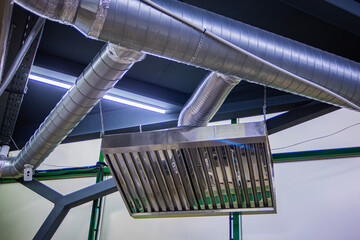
206,100
217,43
101,75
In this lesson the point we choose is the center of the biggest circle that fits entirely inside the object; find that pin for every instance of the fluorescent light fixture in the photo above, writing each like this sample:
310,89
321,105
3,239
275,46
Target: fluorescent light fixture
49,81
112,98
134,104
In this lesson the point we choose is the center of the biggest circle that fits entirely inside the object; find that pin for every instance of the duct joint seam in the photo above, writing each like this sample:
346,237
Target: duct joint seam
2,165
100,18
124,55
198,48
68,13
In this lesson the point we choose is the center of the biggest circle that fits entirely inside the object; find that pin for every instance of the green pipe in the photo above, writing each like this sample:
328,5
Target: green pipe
235,215
277,158
316,155
96,207
236,226
60,174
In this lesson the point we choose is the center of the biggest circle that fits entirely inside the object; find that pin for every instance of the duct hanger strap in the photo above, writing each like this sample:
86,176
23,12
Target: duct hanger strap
265,103
251,55
102,132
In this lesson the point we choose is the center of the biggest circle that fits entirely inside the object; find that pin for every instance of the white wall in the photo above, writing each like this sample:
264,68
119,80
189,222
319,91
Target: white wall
315,199
22,211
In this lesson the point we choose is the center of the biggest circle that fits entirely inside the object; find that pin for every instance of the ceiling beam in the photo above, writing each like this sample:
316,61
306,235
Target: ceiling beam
125,119
338,12
298,116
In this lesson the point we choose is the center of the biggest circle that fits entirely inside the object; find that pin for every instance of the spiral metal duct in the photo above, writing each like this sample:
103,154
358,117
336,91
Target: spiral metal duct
137,25
97,79
206,100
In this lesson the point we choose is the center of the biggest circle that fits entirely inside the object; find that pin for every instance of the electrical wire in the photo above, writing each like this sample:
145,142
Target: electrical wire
102,132
317,138
86,169
67,173
59,166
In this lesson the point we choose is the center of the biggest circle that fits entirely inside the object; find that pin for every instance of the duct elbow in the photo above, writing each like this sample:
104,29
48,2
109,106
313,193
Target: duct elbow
8,169
124,55
206,100
63,11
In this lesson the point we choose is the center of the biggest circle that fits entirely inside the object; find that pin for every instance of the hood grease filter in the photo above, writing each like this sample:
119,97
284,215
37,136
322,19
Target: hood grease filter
193,171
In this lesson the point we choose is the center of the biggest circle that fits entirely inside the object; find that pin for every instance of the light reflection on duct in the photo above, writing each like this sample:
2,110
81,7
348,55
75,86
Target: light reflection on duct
105,70
193,171
290,66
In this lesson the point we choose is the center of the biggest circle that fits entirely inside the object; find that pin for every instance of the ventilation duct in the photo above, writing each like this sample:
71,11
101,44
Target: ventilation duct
261,57
101,75
193,171
206,100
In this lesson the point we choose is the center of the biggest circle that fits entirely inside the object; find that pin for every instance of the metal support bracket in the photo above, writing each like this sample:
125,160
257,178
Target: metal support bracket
19,65
64,203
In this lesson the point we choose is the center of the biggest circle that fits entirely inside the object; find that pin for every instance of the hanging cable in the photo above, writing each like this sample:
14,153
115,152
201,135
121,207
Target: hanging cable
13,141
102,131
265,104
317,138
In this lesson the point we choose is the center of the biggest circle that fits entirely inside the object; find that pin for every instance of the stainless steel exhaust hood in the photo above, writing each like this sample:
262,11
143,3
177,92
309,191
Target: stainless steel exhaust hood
193,171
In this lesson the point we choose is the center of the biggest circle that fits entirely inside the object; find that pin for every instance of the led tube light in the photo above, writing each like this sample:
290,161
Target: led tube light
134,104
112,98
49,81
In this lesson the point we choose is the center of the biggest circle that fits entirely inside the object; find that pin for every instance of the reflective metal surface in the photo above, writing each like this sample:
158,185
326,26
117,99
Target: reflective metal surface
136,25
106,69
193,171
206,100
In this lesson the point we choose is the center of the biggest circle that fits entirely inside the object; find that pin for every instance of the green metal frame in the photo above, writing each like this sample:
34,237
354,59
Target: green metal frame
316,155
96,207
93,171
277,158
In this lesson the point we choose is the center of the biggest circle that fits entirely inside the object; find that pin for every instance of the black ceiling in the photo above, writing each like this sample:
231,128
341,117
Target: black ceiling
328,26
